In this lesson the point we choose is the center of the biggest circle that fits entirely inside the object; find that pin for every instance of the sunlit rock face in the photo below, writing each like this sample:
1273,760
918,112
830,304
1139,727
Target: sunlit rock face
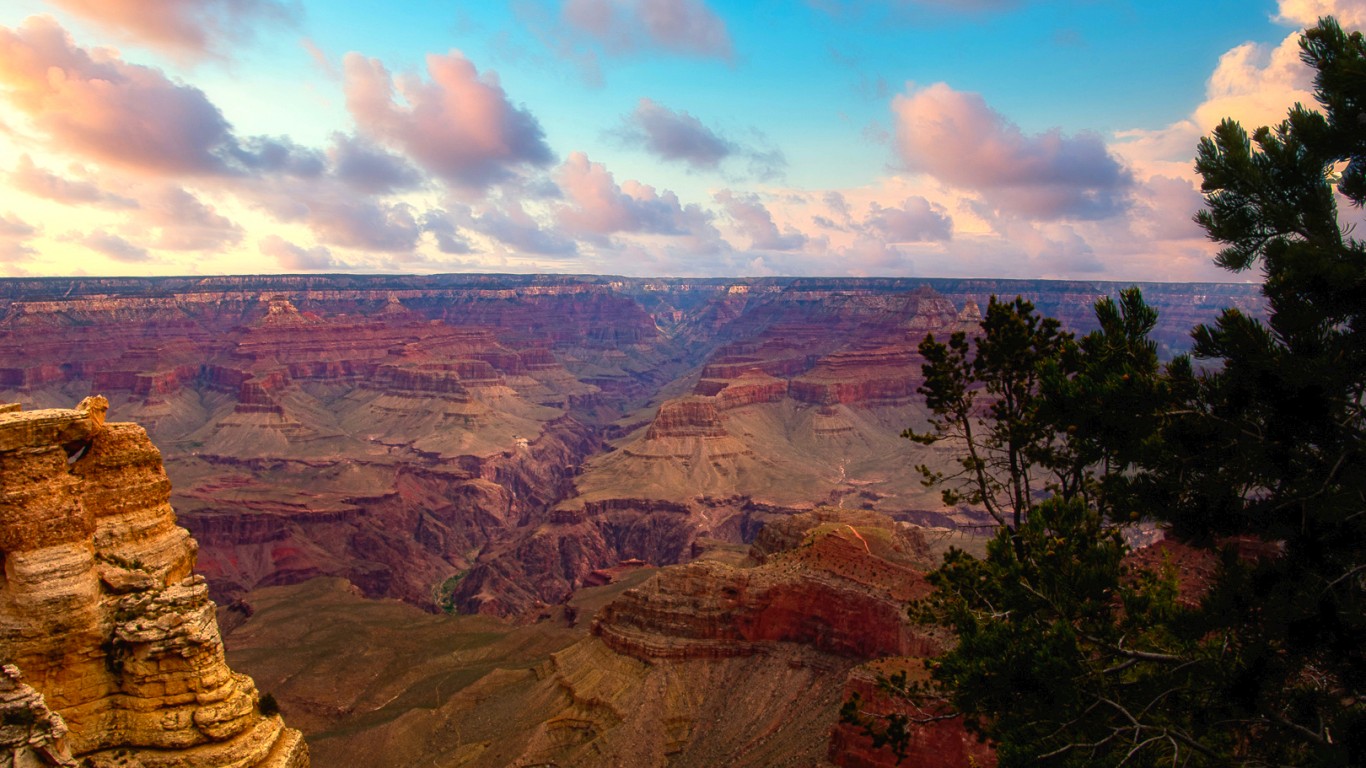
101,610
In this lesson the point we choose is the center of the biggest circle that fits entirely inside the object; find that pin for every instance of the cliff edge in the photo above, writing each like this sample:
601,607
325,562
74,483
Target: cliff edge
102,611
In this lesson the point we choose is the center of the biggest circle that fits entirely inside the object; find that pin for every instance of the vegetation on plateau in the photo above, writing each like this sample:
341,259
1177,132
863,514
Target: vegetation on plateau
1069,655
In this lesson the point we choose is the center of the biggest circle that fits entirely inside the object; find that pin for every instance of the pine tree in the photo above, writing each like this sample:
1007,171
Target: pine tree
1066,657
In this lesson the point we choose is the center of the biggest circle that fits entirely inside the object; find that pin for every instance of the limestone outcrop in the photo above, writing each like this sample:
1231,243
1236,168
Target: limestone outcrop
101,610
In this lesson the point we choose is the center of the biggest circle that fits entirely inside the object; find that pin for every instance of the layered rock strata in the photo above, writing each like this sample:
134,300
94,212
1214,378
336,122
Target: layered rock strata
102,611
839,586
31,735
401,430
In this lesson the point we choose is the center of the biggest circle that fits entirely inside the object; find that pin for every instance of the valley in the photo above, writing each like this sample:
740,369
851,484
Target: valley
521,520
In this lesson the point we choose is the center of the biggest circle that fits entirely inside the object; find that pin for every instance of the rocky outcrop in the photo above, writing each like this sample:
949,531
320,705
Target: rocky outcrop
102,611
883,374
840,589
30,733
934,742
687,417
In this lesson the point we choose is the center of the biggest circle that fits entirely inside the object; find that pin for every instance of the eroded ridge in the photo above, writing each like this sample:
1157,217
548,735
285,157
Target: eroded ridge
102,611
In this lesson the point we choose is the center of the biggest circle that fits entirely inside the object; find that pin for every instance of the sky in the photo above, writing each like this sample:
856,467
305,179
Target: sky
935,138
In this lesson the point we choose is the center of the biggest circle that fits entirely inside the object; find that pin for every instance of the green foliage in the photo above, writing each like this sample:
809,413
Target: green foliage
1040,413
268,706
1002,367
1064,657
445,592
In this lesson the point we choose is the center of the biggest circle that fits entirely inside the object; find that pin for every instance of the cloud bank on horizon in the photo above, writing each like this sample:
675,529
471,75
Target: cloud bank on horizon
642,137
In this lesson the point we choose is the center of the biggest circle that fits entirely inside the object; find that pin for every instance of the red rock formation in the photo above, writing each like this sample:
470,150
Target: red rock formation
687,417
936,744
750,388
840,590
305,398
886,373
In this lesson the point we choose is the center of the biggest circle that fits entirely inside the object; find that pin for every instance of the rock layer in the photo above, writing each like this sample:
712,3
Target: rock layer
102,611
834,580
401,430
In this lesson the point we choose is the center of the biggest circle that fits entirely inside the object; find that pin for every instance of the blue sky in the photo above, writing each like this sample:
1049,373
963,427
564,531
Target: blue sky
669,137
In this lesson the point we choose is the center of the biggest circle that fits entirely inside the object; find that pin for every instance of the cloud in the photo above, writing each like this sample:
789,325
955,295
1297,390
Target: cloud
40,182
1306,13
12,226
100,106
14,232
448,239
94,104
369,168
1256,85
629,26
905,10
677,136
367,225
178,221
114,247
597,206
508,222
297,258
459,125
755,222
958,139
320,59
915,220
1252,83
183,27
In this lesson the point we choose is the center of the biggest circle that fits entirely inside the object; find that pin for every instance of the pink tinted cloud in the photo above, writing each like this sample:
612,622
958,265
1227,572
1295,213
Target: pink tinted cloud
958,139
596,205
755,222
40,182
93,103
912,10
1306,13
459,125
182,27
183,222
628,26
115,247
915,220
369,168
364,224
678,136
508,222
15,227
320,59
14,233
296,258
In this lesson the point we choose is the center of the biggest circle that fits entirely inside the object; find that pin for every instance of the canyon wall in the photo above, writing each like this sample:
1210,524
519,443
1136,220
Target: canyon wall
101,611
487,441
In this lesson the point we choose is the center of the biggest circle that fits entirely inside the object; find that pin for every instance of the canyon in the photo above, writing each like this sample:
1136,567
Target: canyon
509,519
